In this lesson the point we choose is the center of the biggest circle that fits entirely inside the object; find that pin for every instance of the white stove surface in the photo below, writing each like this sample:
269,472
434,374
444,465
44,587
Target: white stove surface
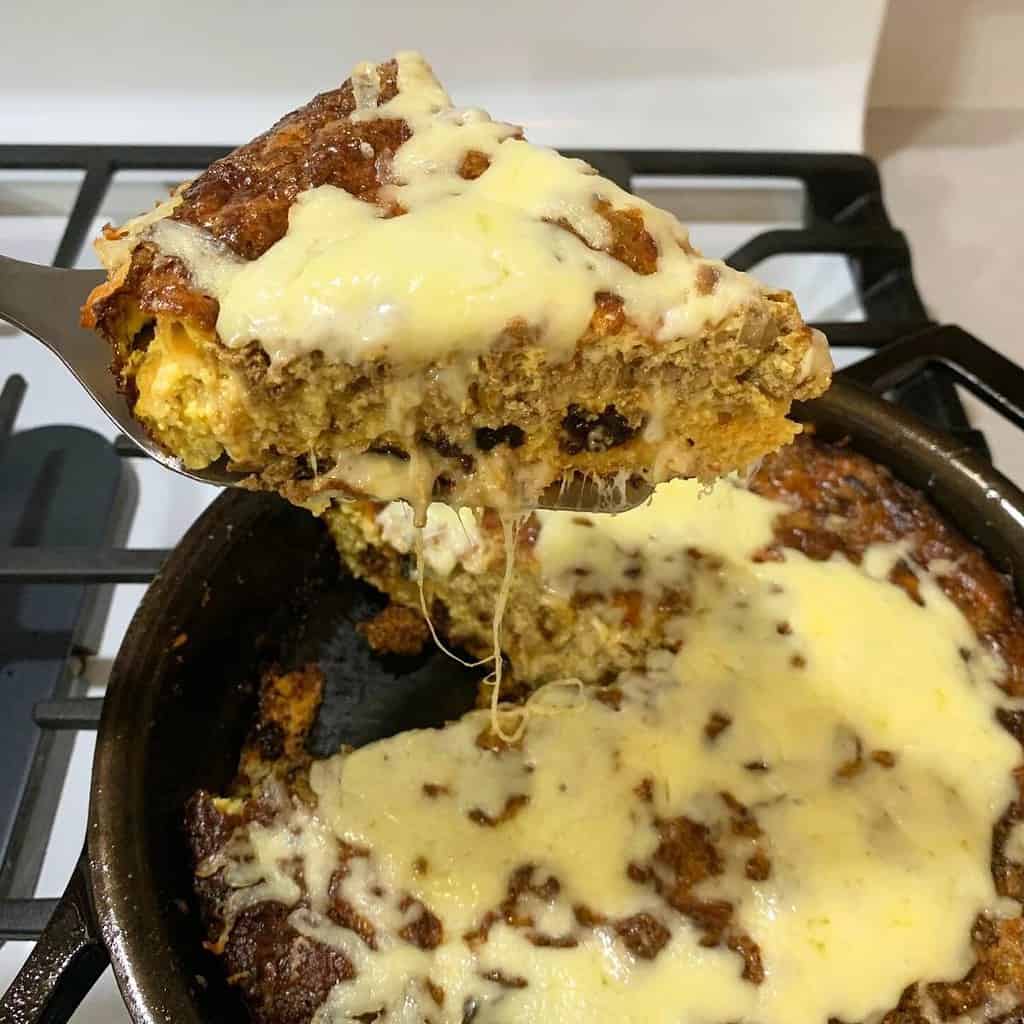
33,207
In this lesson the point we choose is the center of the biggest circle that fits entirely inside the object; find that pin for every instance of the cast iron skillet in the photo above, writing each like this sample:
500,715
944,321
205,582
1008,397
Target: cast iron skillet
256,580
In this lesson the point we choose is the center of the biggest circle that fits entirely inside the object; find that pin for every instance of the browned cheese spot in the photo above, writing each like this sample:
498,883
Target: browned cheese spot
758,867
342,913
425,930
611,696
487,739
643,935
521,887
609,316
513,805
743,822
433,790
644,789
716,724
886,758
631,243
435,991
707,279
753,966
588,918
504,980
473,164
552,941
852,767
685,857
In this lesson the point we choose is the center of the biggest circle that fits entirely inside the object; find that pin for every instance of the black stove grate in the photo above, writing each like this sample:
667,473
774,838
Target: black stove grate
844,214
61,486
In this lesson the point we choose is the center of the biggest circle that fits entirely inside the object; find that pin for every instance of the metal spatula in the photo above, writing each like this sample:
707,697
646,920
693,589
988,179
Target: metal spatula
44,302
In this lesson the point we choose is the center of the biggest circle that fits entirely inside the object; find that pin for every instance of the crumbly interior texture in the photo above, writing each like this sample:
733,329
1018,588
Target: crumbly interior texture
803,806
565,619
546,634
385,296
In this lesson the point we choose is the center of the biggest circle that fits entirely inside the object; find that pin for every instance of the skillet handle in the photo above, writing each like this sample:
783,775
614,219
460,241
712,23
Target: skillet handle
66,961
997,381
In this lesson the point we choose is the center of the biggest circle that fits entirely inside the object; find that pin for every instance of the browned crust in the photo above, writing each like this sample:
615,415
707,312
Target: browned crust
243,199
286,976
289,702
396,629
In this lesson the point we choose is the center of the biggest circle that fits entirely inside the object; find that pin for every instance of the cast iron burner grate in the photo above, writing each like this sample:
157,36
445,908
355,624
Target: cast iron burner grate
60,506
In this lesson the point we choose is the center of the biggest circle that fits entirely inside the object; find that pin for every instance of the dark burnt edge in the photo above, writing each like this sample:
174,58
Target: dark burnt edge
447,449
390,449
583,430
488,438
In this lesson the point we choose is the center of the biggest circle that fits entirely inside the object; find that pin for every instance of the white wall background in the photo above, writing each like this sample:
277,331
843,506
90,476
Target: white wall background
946,123
675,73
951,55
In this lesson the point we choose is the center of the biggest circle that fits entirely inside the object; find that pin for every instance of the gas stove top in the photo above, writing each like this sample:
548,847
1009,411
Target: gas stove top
85,522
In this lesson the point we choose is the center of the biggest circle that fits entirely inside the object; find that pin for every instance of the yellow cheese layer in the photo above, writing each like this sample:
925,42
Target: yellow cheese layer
467,258
859,733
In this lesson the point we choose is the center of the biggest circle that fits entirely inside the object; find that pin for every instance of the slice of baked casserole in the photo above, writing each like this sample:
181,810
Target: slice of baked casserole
391,297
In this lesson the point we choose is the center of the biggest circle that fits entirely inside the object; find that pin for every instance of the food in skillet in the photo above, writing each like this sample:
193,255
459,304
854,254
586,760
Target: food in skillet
388,296
799,803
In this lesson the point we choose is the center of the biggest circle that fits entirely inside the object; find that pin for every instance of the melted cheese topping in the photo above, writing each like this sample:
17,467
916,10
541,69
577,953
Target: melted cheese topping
468,257
646,548
450,536
855,727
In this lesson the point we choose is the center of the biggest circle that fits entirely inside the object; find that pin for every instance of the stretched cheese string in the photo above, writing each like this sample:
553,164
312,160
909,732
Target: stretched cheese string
536,707
510,526
420,571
